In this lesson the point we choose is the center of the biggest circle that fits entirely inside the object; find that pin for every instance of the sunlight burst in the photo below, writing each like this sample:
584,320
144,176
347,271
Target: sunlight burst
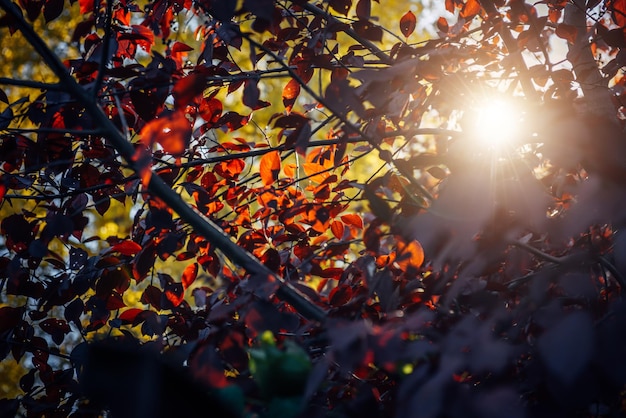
496,123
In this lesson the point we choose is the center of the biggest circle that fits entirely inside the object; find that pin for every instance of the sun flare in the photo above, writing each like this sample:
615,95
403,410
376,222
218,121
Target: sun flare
495,123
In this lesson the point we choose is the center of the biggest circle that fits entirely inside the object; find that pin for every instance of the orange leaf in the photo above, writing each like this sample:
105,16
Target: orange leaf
470,9
290,93
337,229
353,219
145,36
172,131
181,47
270,167
442,25
189,275
210,109
86,6
186,89
126,247
316,172
409,256
407,23
618,11
290,170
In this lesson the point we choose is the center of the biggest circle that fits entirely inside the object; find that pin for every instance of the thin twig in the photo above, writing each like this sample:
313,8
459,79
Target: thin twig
106,46
544,256
30,84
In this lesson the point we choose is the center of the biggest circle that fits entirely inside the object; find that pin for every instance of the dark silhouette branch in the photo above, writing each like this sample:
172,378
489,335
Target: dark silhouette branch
30,84
384,58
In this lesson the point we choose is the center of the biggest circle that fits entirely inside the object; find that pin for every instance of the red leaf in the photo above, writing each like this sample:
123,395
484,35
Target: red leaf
57,328
337,229
145,37
340,295
129,315
126,247
408,23
143,262
290,93
174,293
152,295
352,219
470,9
210,109
567,32
618,11
189,275
86,6
270,167
187,89
230,169
172,131
181,47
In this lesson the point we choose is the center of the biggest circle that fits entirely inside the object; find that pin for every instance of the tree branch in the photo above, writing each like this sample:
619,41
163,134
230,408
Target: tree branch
349,31
29,83
158,187
593,84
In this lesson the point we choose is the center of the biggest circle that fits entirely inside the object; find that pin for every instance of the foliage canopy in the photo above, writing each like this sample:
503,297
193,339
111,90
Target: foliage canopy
321,218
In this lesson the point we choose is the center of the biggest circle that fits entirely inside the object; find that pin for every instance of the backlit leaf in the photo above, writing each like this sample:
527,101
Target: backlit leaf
86,6
618,11
409,256
470,9
210,109
187,89
145,37
270,167
290,93
126,247
352,219
171,130
189,275
337,229
129,315
408,23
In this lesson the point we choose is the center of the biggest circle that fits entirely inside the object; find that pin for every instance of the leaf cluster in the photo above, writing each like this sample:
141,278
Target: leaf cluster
262,274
